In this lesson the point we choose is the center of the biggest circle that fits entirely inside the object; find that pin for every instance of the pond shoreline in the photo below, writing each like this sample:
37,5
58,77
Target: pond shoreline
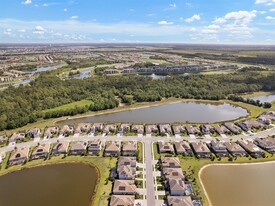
62,162
226,164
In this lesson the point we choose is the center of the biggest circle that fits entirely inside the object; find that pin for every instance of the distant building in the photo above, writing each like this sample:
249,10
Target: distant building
50,131
267,144
60,148
165,147
129,148
219,148
126,168
124,187
173,173
201,150
41,151
235,149
178,129
78,148
179,201
250,124
170,162
232,127
122,200
112,148
183,148
95,146
19,156
251,148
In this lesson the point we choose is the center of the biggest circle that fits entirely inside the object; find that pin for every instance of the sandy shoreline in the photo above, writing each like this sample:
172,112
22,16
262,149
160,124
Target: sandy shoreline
226,164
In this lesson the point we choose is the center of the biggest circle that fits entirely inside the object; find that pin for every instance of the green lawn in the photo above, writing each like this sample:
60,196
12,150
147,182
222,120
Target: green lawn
140,152
81,103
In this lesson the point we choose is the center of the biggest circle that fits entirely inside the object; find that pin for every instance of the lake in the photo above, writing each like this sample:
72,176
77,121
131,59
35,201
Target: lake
169,113
61,184
42,69
265,98
83,74
240,185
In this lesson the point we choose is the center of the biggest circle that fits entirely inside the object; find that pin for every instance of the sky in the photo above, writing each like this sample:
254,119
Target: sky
137,21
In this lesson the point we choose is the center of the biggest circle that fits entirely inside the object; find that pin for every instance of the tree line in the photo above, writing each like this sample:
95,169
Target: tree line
26,104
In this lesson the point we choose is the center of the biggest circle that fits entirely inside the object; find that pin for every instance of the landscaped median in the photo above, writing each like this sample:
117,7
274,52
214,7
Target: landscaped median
102,164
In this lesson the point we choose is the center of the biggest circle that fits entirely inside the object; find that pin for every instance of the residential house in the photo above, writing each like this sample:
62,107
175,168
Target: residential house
267,117
78,148
110,71
83,128
191,130
235,149
126,168
124,187
179,201
183,148
250,124
178,129
219,148
5,78
232,127
177,187
122,200
124,128
50,132
60,148
267,144
41,151
3,138
207,129
19,156
129,148
95,146
165,147
251,148
138,128
165,128
34,133
170,162
17,136
201,150
152,128
112,148
173,173
96,127
221,129
109,128
67,130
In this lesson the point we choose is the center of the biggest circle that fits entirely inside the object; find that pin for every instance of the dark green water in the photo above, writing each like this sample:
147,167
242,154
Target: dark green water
52,185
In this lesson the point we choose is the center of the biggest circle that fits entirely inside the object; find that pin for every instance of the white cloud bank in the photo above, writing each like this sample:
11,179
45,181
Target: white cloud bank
195,17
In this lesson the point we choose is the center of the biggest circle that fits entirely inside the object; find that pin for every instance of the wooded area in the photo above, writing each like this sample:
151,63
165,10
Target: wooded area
23,105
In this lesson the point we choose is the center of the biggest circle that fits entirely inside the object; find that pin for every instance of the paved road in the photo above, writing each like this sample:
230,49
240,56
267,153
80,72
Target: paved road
147,142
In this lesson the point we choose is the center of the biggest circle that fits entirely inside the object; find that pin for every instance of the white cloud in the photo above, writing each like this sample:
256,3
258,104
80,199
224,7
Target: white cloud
262,12
219,20
173,5
211,29
195,17
39,30
26,2
74,17
270,18
65,10
22,30
265,2
165,22
272,10
7,32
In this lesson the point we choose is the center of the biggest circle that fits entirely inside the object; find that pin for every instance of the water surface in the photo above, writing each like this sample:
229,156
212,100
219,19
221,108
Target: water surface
240,185
55,185
170,113
265,98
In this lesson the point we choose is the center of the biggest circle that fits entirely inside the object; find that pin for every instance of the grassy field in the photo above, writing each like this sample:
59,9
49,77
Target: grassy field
103,165
81,103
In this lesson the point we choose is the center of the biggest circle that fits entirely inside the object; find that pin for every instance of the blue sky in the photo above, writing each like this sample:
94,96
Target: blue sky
196,21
